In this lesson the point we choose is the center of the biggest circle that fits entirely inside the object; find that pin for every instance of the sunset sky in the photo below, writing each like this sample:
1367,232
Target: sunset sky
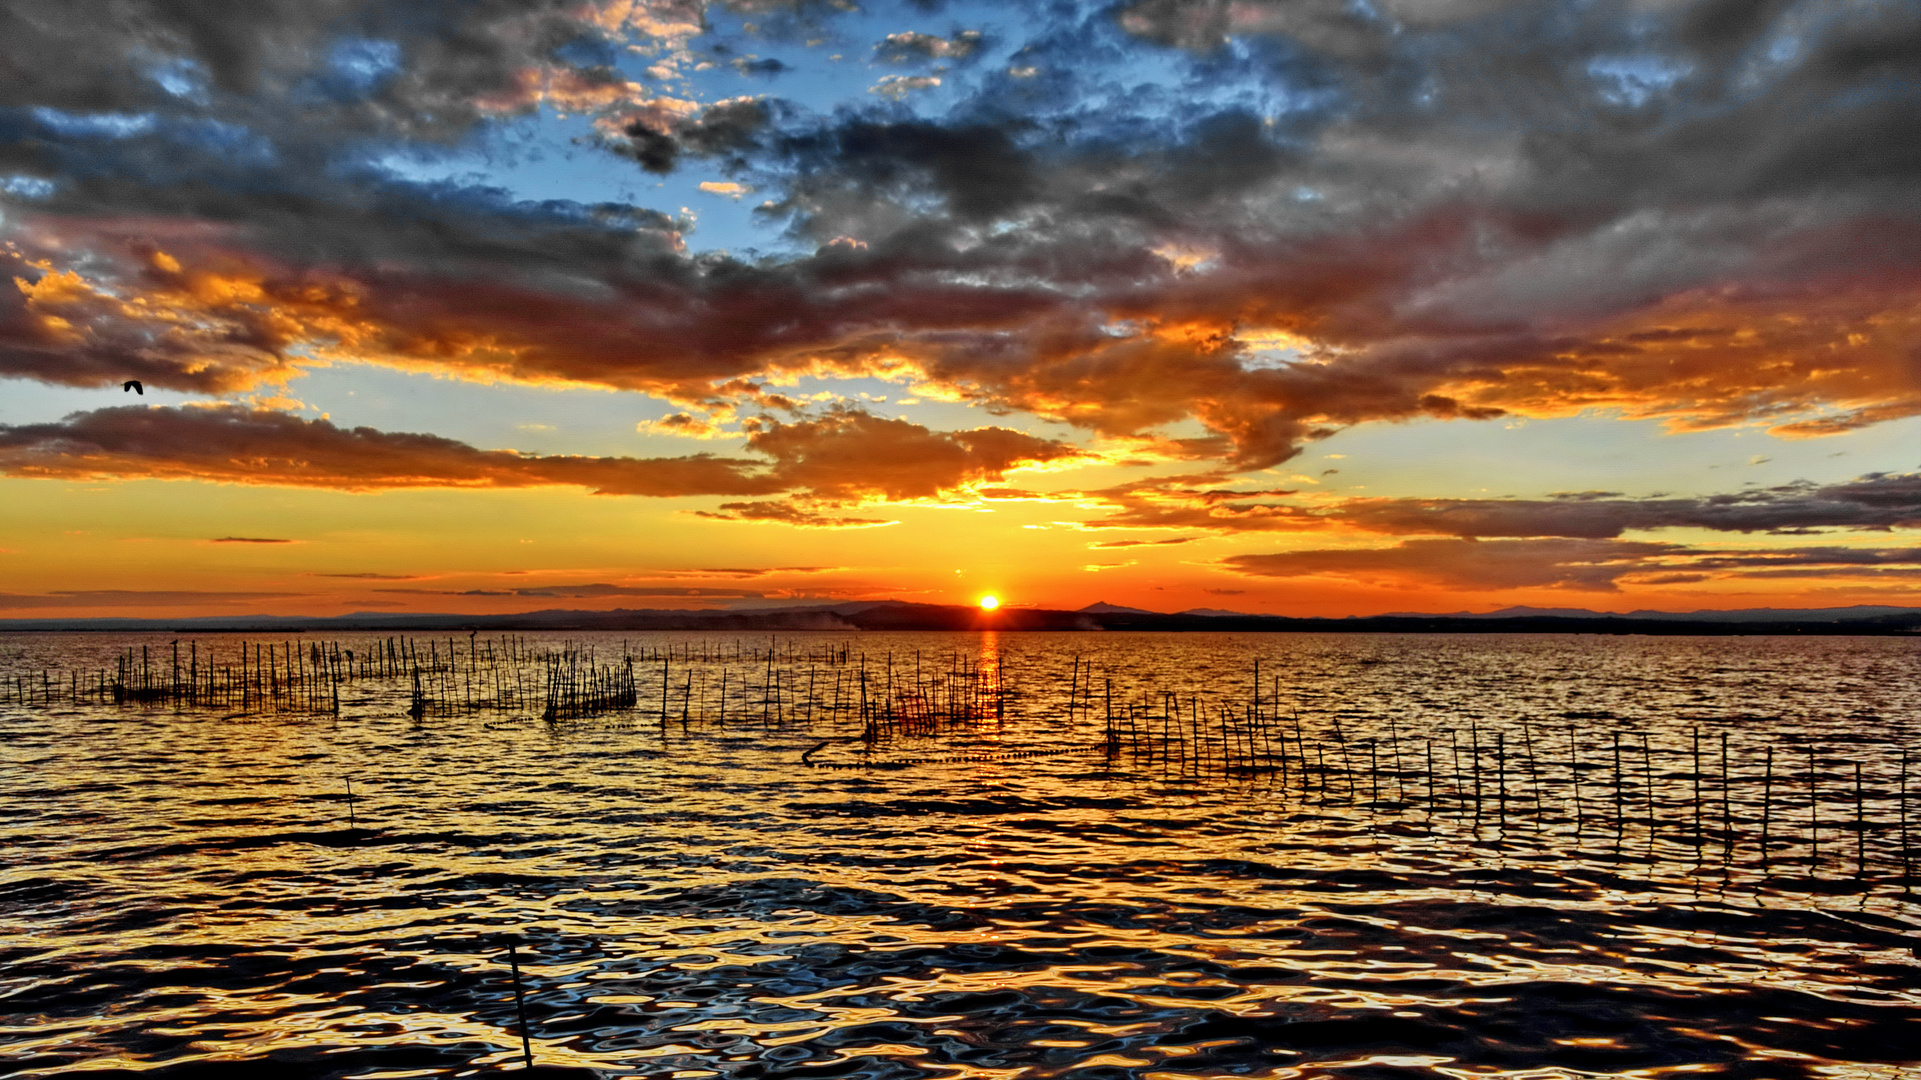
1307,307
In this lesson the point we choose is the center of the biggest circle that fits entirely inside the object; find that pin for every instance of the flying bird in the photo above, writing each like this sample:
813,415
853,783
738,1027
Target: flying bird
133,385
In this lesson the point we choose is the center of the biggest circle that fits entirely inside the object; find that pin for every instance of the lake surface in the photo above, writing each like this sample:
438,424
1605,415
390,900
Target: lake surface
1409,856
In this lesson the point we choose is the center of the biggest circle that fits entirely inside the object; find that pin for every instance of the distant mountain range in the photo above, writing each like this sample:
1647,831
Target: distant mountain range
898,615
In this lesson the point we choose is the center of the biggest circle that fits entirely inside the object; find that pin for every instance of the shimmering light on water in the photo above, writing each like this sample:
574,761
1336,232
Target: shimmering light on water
181,888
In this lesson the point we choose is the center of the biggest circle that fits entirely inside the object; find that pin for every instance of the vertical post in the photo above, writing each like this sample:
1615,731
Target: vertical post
1574,780
1906,866
1110,713
1533,771
1860,829
1814,818
1727,807
1647,776
1430,777
1460,800
1400,779
1500,774
1767,806
1619,793
1374,771
520,1003
1698,836
1474,746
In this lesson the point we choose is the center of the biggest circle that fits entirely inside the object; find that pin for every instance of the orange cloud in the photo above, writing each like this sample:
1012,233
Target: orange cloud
844,457
241,446
1877,502
850,456
119,598
784,513
1577,564
1735,247
1115,341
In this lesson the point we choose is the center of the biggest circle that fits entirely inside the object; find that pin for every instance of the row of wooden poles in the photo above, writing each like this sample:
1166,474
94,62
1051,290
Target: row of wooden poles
889,696
772,682
1788,801
263,676
252,679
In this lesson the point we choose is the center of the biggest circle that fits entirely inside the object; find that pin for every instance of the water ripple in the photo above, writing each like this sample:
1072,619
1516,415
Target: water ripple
189,894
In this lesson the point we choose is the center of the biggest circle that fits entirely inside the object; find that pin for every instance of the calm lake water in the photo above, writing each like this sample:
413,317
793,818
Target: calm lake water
1527,856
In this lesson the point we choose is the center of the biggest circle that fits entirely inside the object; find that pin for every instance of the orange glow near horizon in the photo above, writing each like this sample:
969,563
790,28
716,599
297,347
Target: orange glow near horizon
749,378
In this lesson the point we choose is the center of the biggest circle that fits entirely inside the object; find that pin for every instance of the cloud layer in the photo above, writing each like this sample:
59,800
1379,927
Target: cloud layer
1876,502
827,461
1321,216
1580,565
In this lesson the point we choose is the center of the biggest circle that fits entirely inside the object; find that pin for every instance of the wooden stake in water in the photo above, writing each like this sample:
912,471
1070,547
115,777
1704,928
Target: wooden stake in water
1906,866
1767,805
1460,801
1647,776
1474,745
1574,780
1619,823
1698,837
520,1002
1500,774
1430,777
1727,807
1533,772
1860,828
1814,818
1374,772
1400,778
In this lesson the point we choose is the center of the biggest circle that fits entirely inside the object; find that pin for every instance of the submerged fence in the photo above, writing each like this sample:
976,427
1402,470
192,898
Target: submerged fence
701,682
1773,796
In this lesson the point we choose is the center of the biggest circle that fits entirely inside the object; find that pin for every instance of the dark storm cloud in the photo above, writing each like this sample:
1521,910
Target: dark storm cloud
1699,211
764,68
726,128
201,308
1332,26
978,170
431,70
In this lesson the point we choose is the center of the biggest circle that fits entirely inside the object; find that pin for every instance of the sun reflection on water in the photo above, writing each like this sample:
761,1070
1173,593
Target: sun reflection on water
184,889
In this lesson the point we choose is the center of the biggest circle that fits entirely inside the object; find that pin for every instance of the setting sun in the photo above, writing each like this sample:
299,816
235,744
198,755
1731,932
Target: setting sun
990,602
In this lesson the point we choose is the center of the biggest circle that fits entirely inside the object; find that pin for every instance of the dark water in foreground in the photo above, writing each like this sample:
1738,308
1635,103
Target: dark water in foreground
181,893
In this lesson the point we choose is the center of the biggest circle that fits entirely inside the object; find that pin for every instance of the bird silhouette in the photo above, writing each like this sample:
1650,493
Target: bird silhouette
133,385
